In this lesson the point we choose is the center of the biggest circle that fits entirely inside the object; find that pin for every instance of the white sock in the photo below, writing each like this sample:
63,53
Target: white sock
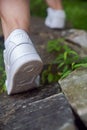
54,12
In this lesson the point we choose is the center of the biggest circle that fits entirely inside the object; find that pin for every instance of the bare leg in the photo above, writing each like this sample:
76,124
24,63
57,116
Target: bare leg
55,4
22,62
14,15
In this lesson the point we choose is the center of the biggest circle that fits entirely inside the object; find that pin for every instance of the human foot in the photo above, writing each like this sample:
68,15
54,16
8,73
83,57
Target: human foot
22,62
55,19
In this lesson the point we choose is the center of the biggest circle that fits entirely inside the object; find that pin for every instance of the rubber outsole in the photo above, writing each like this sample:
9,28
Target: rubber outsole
22,76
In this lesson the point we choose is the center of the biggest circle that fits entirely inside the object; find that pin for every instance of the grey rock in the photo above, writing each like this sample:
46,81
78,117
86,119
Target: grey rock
76,40
50,113
79,37
75,88
68,126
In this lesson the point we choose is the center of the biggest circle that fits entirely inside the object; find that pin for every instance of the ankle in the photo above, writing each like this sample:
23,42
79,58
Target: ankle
55,4
8,32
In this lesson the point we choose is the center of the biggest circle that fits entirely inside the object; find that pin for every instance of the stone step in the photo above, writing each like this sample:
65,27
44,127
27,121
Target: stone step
75,88
36,110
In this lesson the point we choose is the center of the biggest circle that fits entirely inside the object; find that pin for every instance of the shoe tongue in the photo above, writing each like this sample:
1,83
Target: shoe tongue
16,37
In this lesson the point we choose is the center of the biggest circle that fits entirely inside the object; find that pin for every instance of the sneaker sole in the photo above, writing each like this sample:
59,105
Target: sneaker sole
23,73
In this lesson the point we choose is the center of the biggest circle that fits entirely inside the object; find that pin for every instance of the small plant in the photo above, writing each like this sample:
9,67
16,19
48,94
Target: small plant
66,60
2,72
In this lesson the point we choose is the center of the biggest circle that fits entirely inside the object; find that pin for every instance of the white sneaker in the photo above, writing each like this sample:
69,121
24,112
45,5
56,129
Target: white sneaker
55,19
22,63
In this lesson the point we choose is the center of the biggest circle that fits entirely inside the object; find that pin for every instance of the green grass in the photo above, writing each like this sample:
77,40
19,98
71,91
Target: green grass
76,11
2,70
66,60
38,8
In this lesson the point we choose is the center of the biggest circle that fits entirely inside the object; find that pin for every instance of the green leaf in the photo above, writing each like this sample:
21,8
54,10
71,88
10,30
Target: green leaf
65,55
60,65
50,77
80,65
65,74
44,76
74,53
